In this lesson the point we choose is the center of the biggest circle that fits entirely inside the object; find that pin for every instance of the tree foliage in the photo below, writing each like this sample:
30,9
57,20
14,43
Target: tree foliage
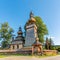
41,29
58,49
5,33
49,44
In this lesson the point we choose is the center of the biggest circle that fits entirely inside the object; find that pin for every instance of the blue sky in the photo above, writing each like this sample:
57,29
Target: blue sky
16,13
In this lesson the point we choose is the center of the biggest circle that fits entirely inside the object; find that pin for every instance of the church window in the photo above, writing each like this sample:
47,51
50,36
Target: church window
17,46
13,46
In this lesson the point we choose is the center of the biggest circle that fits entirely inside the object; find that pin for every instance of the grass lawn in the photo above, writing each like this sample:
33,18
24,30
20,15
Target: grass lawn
2,56
43,56
7,55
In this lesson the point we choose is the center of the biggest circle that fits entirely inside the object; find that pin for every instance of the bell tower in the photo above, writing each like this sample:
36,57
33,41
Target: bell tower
31,31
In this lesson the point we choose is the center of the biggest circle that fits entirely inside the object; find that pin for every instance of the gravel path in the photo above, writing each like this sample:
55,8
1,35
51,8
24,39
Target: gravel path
30,58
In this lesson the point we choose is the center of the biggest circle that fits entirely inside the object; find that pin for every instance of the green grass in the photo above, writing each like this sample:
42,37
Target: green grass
43,56
6,55
2,56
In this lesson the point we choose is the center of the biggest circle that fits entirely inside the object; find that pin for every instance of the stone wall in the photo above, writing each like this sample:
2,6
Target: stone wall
10,52
27,51
49,52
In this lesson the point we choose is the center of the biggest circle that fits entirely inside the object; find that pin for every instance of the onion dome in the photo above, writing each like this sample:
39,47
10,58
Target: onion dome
37,43
20,31
32,19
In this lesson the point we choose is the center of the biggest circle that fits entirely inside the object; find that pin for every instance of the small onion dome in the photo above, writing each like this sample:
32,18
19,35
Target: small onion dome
20,31
37,43
32,19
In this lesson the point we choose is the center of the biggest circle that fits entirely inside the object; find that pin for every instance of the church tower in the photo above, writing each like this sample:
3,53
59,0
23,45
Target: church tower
31,31
18,42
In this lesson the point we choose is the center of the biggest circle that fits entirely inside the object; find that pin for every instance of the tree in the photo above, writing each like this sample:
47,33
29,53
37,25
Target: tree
5,34
47,43
51,44
41,29
58,49
4,44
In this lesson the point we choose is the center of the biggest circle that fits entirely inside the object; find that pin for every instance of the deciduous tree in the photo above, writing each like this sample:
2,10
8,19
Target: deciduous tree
41,28
5,34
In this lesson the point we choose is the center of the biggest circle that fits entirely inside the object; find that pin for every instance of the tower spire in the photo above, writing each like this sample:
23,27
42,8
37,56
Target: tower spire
20,31
31,14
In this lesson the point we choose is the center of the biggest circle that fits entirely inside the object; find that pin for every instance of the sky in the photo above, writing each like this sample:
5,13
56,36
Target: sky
16,13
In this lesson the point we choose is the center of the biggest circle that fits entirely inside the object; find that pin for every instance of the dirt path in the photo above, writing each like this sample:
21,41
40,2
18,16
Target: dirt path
30,58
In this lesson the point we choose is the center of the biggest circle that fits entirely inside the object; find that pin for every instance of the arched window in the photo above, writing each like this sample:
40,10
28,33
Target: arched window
13,46
17,46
